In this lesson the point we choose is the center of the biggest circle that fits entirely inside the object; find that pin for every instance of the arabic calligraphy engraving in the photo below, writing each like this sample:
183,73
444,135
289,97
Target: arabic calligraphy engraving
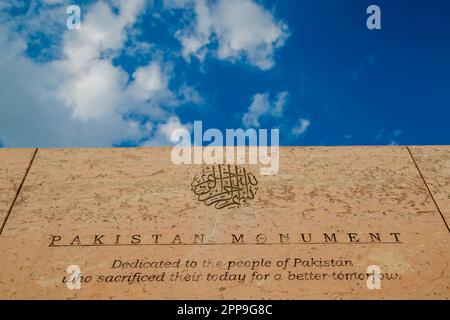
224,186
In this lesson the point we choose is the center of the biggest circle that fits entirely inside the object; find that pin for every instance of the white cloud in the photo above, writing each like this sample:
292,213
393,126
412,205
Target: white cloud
82,98
148,81
102,33
189,94
96,92
163,132
38,18
261,106
31,114
388,137
393,143
301,127
241,29
280,102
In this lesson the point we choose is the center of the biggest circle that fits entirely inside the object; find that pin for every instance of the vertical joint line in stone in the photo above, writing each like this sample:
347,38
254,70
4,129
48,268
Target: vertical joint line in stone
18,191
428,188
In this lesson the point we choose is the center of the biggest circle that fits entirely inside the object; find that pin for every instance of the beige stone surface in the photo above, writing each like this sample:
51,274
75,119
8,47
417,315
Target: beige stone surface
71,196
434,164
13,165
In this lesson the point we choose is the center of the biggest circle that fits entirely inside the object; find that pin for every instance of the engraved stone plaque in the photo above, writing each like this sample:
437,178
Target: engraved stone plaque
334,223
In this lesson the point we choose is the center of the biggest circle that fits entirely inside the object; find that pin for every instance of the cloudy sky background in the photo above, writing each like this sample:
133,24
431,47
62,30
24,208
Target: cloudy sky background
139,69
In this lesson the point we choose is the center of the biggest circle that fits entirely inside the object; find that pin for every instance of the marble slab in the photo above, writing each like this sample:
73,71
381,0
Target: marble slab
13,166
434,164
334,223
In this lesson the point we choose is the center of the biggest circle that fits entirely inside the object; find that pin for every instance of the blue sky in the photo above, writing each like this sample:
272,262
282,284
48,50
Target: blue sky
137,70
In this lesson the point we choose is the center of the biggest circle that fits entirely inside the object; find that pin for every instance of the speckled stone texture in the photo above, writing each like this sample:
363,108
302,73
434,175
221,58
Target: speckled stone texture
90,207
434,164
13,166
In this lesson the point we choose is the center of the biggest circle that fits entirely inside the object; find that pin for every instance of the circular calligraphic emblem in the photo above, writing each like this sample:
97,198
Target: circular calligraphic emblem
225,186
